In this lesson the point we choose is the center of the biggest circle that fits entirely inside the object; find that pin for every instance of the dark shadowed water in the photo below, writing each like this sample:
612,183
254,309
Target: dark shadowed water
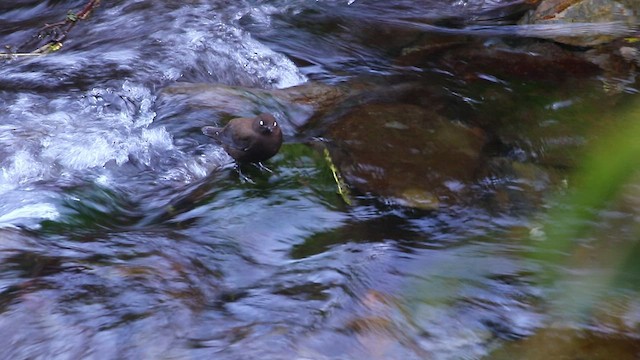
126,234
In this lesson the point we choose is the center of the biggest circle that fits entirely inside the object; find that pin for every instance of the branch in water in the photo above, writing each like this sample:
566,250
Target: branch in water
53,34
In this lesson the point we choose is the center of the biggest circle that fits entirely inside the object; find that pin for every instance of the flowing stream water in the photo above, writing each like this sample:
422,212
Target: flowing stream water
125,233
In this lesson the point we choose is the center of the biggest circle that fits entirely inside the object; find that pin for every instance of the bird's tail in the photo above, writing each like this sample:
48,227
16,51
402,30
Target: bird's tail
211,131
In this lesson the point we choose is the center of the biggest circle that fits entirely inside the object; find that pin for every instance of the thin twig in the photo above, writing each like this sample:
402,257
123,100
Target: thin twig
9,56
87,9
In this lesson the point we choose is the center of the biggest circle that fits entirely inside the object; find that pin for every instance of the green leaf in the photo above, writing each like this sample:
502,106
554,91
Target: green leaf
71,16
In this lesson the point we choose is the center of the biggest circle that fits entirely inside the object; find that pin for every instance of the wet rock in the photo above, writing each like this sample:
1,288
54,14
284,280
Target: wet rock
618,16
569,344
381,327
546,124
224,101
406,154
315,94
515,185
619,61
299,105
534,61
630,54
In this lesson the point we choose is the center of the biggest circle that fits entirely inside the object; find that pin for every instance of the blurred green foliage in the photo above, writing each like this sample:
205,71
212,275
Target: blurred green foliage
578,238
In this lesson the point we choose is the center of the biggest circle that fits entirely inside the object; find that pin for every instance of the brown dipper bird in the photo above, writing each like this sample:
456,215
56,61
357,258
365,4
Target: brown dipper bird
248,140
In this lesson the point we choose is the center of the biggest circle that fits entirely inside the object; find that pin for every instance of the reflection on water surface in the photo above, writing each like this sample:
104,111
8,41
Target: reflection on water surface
126,233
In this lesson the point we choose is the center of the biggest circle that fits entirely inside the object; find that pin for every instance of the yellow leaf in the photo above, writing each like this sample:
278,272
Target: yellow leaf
343,190
55,46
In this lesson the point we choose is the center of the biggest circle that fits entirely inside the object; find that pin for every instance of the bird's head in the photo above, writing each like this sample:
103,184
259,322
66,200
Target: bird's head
266,124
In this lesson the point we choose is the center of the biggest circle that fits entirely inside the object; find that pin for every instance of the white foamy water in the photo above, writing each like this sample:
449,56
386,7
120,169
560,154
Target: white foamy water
66,136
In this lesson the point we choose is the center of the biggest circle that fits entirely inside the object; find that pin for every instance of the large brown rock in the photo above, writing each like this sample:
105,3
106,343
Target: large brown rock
406,154
617,17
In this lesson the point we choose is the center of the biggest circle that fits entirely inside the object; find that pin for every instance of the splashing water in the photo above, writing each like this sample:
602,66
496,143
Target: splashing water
63,138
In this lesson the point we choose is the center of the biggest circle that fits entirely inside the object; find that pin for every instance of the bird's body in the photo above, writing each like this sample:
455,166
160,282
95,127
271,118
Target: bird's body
248,140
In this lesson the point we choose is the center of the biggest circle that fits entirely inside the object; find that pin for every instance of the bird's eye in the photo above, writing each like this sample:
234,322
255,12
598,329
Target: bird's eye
275,123
261,123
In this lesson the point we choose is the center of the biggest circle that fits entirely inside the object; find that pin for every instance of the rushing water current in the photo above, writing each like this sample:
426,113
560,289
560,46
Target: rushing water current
126,234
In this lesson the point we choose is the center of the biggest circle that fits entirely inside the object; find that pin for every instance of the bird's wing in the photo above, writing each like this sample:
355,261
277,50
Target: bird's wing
230,136
237,137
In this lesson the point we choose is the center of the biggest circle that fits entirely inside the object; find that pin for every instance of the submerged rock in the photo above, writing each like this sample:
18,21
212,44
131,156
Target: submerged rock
406,154
529,61
567,343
